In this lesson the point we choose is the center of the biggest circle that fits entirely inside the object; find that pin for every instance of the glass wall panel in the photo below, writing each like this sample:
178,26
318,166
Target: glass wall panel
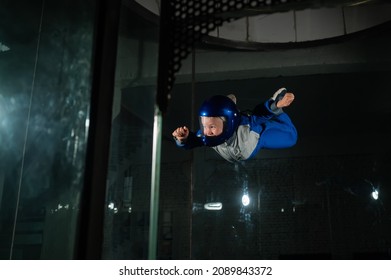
126,226
45,66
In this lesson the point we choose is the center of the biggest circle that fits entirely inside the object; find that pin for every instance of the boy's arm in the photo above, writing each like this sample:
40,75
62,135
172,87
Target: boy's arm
192,141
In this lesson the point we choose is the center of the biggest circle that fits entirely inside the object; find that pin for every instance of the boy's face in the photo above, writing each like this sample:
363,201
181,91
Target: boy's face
212,126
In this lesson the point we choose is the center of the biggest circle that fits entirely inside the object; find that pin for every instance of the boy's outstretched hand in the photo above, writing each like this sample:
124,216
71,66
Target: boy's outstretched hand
181,133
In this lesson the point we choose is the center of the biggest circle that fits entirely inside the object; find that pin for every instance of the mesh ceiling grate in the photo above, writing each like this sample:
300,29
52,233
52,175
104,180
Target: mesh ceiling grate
184,23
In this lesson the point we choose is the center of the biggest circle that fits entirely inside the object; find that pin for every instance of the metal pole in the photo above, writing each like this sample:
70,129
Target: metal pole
90,237
155,184
162,97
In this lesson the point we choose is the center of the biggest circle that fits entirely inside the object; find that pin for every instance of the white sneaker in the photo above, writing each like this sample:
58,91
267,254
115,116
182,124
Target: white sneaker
279,94
232,97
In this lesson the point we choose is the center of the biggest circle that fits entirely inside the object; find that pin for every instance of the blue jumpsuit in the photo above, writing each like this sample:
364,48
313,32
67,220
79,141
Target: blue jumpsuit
268,127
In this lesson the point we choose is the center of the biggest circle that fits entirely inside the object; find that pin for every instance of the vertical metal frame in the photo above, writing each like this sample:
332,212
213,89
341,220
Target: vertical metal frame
91,220
160,107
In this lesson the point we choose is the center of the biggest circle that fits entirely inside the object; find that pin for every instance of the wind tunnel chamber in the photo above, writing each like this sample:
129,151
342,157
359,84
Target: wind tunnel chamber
317,200
325,198
328,197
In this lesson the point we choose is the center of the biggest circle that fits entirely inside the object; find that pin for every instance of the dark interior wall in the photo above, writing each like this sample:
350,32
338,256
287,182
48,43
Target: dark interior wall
334,113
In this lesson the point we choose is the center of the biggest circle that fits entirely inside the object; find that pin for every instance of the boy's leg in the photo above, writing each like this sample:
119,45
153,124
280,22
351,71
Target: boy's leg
278,133
280,99
278,130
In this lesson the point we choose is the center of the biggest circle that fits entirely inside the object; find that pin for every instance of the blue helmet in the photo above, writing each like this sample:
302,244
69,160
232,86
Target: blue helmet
223,107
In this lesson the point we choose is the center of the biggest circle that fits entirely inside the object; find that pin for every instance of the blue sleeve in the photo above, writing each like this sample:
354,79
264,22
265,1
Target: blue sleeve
191,142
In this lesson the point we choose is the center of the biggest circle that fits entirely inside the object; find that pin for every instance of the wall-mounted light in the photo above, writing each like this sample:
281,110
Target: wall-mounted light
111,205
375,194
213,206
245,200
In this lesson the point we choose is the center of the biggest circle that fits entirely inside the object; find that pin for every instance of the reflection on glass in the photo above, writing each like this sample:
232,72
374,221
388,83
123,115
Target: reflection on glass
45,73
4,48
126,224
